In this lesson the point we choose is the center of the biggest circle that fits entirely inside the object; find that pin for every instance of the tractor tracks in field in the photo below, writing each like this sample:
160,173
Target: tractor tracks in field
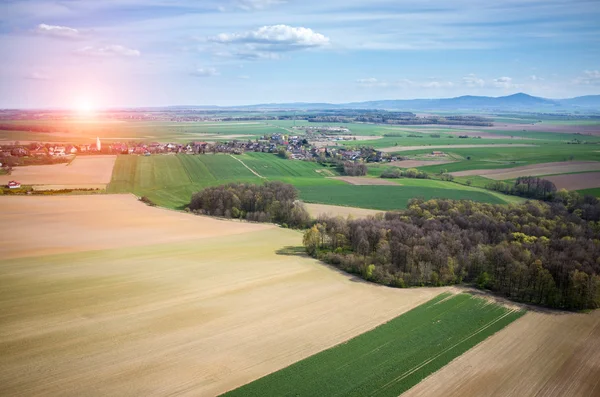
250,169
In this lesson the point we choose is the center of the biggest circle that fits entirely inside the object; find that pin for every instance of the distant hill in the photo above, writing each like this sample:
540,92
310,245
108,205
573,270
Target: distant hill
516,102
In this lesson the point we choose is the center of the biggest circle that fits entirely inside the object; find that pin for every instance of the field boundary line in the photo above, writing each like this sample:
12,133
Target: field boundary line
250,169
423,364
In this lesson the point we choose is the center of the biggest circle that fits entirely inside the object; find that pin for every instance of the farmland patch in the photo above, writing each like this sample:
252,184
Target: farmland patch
81,172
394,356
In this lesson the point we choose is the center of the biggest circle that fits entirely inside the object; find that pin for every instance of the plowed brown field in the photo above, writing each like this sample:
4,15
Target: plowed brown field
102,295
576,181
562,167
550,355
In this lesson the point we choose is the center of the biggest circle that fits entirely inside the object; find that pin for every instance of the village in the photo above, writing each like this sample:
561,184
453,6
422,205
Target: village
311,146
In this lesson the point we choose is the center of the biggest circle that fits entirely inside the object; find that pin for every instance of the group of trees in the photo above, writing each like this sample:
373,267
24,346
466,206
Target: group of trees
353,168
526,186
543,253
395,172
275,202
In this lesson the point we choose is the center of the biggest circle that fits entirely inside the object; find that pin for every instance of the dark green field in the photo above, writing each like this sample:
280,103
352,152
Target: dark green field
387,197
170,181
393,357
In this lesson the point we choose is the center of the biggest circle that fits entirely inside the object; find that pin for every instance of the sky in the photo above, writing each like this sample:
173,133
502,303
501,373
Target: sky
136,53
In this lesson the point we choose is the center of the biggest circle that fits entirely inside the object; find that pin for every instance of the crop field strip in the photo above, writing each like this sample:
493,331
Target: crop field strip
393,357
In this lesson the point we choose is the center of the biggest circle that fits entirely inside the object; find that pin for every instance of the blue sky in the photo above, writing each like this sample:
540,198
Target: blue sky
229,52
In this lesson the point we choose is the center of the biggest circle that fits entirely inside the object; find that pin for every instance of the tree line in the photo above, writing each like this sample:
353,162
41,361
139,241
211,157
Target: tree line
542,253
274,202
526,186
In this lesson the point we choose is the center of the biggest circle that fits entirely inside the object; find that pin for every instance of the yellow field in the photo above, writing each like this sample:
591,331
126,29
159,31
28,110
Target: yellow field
102,295
335,210
540,354
83,172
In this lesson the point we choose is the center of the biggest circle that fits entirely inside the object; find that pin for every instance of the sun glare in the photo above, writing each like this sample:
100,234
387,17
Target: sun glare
84,108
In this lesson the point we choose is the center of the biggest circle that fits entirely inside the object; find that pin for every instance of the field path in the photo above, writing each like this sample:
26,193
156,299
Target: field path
250,169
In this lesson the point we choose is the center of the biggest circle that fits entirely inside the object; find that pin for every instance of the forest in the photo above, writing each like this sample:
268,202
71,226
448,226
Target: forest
542,253
274,202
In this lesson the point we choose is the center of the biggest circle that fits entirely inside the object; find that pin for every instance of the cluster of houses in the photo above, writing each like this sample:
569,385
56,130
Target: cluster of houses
297,147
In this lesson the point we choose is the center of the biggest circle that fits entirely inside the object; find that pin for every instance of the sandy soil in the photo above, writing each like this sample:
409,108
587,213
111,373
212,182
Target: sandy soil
335,210
360,180
145,301
84,170
576,181
418,163
534,170
433,147
540,354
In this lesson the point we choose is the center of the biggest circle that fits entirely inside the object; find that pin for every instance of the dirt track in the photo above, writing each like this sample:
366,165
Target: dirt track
83,171
534,170
145,301
540,354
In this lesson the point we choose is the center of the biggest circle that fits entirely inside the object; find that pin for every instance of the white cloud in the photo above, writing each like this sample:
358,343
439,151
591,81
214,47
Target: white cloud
275,38
205,72
250,5
589,77
371,82
403,83
62,32
37,76
504,82
243,77
472,81
108,51
533,77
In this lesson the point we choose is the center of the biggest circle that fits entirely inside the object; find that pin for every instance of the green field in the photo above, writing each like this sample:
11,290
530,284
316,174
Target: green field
389,197
78,131
170,181
393,357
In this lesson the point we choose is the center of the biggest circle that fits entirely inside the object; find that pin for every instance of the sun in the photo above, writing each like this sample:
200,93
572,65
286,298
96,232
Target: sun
85,107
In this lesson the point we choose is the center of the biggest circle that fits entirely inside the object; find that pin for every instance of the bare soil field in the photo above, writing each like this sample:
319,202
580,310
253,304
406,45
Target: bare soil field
394,149
139,300
534,170
576,181
540,354
83,171
418,163
361,180
336,210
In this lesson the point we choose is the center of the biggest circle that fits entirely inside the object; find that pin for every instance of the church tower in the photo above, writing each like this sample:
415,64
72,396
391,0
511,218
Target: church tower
98,145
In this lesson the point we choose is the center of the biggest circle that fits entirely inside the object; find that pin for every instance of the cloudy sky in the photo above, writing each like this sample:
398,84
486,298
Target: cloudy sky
228,52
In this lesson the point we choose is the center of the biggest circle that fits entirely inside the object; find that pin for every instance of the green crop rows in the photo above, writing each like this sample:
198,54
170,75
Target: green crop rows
393,357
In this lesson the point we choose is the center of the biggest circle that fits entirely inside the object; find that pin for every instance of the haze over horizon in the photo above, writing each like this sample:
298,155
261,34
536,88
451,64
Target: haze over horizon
133,53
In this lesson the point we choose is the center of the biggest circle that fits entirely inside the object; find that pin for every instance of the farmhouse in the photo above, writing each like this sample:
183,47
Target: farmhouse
437,153
13,185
